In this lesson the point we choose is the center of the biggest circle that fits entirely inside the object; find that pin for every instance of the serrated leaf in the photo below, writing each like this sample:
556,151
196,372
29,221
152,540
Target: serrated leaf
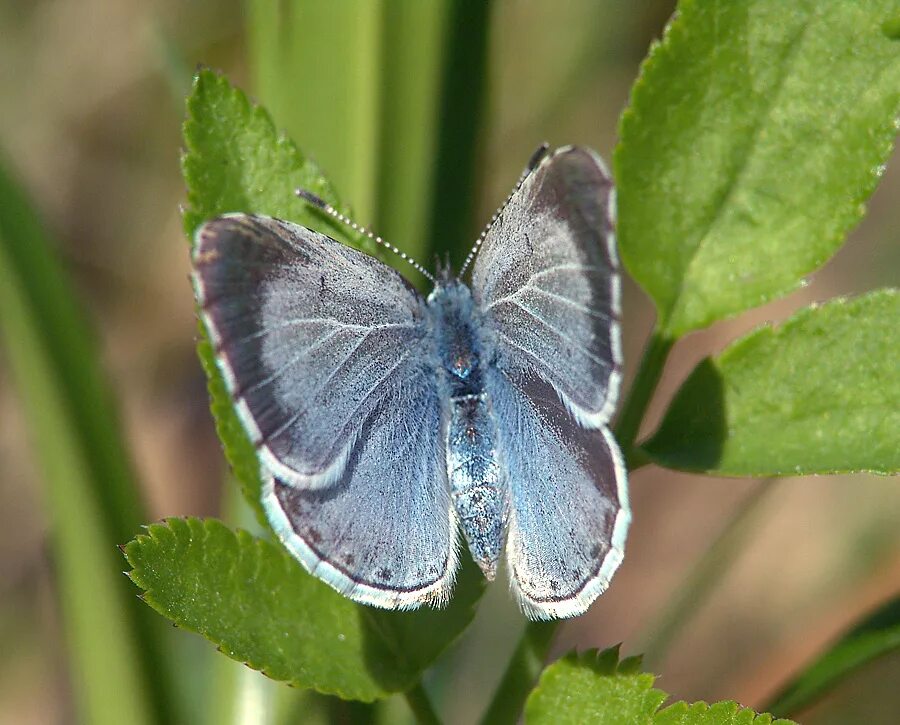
719,713
755,134
235,160
595,687
877,635
819,394
256,603
591,687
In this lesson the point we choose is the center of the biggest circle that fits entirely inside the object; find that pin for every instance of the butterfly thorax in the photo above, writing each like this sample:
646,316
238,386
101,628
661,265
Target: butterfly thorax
478,493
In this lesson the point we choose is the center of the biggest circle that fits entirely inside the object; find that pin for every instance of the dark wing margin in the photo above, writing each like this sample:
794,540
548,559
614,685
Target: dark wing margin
547,281
325,353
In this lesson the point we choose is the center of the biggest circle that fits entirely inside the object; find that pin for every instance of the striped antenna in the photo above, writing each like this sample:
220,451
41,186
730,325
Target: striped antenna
533,163
347,221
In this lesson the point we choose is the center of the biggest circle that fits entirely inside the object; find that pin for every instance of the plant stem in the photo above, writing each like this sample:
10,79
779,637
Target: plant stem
461,114
521,672
115,646
704,576
640,394
528,659
418,702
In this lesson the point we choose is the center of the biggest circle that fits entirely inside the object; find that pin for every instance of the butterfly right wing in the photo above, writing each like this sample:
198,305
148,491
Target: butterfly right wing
547,283
325,352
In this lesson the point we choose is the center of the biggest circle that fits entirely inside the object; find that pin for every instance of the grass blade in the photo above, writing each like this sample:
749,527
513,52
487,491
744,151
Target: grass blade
91,500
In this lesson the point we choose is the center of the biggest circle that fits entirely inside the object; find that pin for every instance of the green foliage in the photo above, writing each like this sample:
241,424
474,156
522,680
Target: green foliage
316,67
118,669
253,600
596,687
819,394
876,636
235,160
755,135
756,132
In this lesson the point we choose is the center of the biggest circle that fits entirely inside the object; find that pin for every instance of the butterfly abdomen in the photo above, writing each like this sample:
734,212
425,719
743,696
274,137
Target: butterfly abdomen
476,488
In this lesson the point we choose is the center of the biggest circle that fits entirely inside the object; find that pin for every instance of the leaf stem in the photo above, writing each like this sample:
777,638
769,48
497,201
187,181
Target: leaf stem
640,394
704,576
521,672
420,704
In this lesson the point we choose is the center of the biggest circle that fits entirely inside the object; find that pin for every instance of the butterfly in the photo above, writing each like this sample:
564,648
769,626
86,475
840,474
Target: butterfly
385,422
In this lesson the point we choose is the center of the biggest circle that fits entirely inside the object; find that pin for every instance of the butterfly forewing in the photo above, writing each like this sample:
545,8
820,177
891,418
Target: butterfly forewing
546,280
325,352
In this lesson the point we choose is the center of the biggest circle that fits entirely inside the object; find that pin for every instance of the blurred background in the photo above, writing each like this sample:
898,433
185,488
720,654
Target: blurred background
423,115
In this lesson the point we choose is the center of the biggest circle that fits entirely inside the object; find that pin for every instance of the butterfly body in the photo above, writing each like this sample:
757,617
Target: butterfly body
477,489
385,422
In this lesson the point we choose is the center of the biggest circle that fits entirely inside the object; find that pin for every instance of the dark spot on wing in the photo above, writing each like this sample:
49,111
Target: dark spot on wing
314,535
528,244
384,573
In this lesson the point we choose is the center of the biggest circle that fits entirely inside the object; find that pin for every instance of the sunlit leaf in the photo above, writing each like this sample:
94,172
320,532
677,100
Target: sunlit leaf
253,600
755,134
818,394
595,687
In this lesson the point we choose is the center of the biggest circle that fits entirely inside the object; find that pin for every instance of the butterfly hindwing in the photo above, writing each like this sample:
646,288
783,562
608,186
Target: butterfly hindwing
324,350
568,503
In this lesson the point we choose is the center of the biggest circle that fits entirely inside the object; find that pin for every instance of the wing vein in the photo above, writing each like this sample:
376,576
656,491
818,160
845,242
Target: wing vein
559,333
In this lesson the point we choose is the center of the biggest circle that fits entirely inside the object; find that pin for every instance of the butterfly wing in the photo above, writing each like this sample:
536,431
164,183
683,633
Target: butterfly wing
569,511
546,280
324,350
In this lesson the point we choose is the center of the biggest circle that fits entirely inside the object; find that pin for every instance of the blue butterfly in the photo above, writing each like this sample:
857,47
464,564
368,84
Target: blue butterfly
385,422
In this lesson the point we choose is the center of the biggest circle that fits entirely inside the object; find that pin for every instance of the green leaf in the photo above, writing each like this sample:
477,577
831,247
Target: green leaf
116,654
596,687
260,607
720,713
593,687
755,134
819,394
877,635
235,160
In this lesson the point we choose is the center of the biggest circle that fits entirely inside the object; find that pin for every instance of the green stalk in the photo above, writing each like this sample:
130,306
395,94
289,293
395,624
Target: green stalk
421,706
113,642
316,67
413,34
635,406
704,576
521,673
462,109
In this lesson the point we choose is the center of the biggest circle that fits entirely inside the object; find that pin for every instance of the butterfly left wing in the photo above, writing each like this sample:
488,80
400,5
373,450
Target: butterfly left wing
325,352
546,282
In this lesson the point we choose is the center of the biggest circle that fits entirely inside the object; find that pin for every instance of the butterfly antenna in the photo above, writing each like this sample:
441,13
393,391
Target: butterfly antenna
347,221
533,163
